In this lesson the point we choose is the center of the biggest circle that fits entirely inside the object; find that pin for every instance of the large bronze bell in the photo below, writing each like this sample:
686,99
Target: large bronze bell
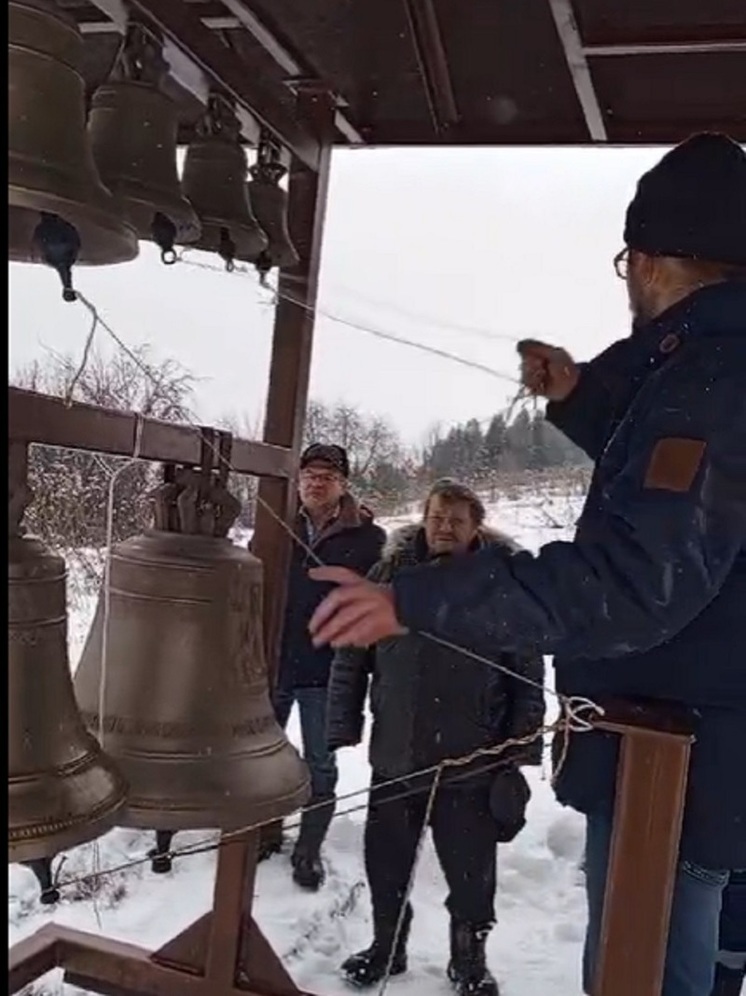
214,180
187,712
133,128
270,205
59,211
62,789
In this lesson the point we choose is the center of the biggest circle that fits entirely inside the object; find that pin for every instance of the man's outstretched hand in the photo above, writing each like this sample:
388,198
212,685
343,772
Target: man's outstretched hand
358,613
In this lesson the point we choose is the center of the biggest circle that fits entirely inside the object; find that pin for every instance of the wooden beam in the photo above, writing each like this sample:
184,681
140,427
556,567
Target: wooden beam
40,418
280,51
33,957
567,29
665,48
185,29
433,62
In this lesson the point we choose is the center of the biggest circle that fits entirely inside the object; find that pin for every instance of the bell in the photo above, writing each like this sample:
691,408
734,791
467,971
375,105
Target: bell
214,180
270,204
62,789
59,211
187,712
133,128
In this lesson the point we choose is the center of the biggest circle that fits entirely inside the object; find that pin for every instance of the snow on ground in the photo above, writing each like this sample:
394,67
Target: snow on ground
534,949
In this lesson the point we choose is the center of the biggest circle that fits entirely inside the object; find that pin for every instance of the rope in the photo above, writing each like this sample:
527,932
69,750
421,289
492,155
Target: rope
278,295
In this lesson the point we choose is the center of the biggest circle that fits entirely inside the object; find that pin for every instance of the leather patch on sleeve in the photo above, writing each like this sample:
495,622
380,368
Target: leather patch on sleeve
674,464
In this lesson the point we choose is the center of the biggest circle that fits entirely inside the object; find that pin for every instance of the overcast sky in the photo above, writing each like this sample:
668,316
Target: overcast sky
424,244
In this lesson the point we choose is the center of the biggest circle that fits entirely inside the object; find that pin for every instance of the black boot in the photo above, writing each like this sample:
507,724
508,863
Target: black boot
467,968
160,859
270,840
42,868
308,871
728,981
368,968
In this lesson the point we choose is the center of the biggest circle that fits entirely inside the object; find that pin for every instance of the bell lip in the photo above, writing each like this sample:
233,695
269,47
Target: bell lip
49,845
80,831
139,816
137,207
244,237
119,237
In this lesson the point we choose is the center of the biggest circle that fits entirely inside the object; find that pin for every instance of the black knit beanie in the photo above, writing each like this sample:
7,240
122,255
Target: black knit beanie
692,204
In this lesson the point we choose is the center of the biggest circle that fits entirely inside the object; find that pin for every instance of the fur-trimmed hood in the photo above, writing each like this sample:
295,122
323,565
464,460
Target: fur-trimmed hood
402,543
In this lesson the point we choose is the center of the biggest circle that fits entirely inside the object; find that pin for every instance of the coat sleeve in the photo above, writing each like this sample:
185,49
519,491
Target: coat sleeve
585,417
346,694
649,556
527,706
348,688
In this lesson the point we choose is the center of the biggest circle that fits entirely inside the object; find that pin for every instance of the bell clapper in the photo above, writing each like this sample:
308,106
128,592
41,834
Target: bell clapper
164,235
227,249
59,244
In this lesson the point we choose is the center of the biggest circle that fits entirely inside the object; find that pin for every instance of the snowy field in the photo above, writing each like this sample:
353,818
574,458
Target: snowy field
534,949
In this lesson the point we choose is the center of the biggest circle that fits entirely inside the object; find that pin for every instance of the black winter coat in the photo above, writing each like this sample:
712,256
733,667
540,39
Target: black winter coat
429,702
352,540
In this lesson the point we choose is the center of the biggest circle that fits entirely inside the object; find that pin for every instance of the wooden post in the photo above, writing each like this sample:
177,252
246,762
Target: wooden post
291,361
648,815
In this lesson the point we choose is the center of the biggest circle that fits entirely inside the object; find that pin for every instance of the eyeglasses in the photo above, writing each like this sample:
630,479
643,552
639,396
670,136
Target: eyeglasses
320,476
621,264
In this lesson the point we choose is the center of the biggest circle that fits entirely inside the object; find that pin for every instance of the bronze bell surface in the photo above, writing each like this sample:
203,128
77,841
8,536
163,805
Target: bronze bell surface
214,180
133,129
59,211
187,712
62,789
270,205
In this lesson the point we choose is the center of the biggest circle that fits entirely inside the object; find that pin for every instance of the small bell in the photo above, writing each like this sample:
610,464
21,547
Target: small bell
133,128
59,211
214,180
270,204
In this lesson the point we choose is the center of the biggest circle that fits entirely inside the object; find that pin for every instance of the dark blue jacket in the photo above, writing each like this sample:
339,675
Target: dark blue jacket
649,600
352,540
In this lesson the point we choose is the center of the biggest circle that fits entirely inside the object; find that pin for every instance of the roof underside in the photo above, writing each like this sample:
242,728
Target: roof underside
461,72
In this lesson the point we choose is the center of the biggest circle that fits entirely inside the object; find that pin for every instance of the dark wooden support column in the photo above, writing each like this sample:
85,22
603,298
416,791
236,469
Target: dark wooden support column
291,359
648,816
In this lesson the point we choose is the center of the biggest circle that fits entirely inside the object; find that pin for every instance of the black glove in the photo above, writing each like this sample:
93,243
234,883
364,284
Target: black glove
509,797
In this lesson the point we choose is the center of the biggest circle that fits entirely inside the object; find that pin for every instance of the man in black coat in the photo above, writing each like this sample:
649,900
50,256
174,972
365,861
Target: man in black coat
429,704
339,531
648,600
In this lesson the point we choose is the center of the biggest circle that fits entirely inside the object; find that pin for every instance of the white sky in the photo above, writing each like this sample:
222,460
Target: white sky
517,242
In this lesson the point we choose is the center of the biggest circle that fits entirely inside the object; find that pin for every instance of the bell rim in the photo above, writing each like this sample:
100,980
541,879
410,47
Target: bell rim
179,211
247,235
25,840
120,238
137,815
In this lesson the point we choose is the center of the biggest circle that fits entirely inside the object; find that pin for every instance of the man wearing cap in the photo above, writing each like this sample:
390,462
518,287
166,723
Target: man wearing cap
649,600
336,530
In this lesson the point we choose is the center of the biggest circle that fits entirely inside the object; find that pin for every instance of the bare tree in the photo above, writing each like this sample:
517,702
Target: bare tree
70,488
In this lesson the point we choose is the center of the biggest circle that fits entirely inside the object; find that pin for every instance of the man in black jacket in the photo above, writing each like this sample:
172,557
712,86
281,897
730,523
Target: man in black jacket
648,600
339,531
428,703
